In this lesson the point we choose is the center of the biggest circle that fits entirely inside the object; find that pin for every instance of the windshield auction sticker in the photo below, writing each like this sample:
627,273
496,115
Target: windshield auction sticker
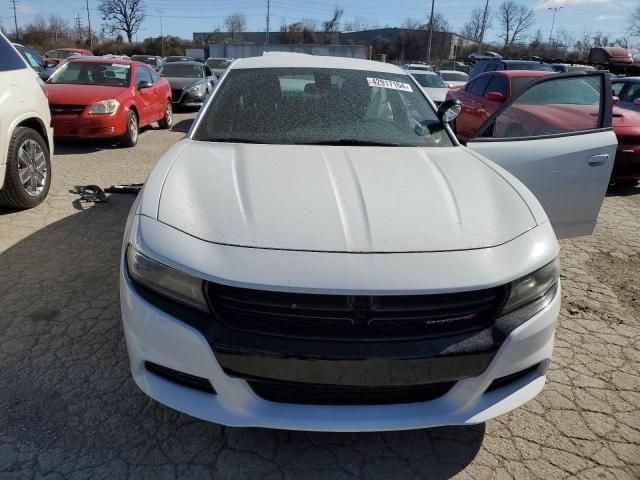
381,82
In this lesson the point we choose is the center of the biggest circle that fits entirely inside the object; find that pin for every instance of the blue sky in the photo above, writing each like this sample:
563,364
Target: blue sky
181,17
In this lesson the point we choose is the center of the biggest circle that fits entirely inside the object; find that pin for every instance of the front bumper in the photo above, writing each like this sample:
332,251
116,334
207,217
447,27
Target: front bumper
627,163
88,126
152,335
187,99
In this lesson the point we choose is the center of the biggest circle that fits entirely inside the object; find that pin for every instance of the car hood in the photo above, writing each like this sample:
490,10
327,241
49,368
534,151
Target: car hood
67,94
436,94
178,83
340,199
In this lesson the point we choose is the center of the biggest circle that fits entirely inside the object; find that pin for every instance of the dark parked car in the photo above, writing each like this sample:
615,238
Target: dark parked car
499,64
35,61
190,82
178,58
628,92
153,61
218,65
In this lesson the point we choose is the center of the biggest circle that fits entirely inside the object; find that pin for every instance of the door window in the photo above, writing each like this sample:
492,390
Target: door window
560,106
143,75
498,84
9,59
479,86
616,88
632,93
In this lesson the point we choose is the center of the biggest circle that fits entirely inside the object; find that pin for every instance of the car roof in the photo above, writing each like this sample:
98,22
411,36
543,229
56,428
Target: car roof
626,79
453,71
422,72
517,73
103,60
186,62
301,60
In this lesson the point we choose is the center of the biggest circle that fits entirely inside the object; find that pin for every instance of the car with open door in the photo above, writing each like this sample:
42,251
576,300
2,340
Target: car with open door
482,96
102,98
320,253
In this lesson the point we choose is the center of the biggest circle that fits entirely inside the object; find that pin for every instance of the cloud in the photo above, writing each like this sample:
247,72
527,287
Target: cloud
570,3
607,17
24,9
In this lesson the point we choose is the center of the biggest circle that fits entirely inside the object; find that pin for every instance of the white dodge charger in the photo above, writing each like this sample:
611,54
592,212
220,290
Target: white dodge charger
320,253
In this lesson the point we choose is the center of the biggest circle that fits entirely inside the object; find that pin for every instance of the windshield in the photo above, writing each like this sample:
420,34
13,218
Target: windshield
140,58
181,70
429,81
59,54
454,76
218,63
88,73
322,107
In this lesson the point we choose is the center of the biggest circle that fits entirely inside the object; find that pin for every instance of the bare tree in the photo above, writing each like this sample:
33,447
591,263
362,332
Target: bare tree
600,40
58,26
622,42
479,23
440,24
124,16
332,26
634,23
412,24
515,19
303,31
235,23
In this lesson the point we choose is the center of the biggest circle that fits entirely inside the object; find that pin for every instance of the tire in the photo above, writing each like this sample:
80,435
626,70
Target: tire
28,171
130,138
166,122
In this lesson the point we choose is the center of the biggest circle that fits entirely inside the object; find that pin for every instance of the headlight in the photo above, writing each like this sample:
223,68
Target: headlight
530,287
196,88
104,107
166,281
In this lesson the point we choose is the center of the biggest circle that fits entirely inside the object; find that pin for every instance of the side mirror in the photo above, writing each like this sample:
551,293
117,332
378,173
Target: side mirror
616,100
494,97
637,102
449,110
144,84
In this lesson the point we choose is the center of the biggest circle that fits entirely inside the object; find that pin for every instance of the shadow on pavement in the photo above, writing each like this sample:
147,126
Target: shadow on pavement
183,126
623,189
69,408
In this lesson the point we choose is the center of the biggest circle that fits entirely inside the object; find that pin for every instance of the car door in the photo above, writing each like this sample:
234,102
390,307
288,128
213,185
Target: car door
147,96
474,111
159,100
564,148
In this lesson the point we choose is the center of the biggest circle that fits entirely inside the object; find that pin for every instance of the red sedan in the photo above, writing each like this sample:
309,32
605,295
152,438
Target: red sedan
95,98
54,57
484,94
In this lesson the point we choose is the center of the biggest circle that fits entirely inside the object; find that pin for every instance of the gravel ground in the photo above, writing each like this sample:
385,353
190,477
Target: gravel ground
69,408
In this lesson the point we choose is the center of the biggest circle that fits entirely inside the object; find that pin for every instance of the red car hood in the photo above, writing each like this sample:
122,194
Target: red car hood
65,94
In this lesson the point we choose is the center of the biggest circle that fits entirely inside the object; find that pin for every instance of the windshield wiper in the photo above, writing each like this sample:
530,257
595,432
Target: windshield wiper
353,142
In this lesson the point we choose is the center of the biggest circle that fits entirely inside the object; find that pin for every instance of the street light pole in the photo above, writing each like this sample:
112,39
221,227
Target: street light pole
161,32
555,10
430,33
268,18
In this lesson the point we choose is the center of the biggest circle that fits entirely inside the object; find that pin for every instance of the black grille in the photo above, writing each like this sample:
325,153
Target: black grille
66,109
175,94
354,317
316,394
185,379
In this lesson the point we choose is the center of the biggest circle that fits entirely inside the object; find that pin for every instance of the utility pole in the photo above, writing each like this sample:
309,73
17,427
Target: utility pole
79,26
483,27
268,18
430,33
15,18
89,24
161,32
554,10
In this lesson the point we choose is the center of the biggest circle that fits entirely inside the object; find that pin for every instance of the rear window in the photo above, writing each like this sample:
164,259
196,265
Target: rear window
316,106
9,58
429,81
454,76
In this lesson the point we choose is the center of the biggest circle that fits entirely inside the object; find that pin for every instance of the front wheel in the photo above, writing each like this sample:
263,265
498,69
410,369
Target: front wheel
130,137
167,121
28,173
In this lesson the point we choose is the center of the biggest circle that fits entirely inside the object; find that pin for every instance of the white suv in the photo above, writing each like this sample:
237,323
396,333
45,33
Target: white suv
26,137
